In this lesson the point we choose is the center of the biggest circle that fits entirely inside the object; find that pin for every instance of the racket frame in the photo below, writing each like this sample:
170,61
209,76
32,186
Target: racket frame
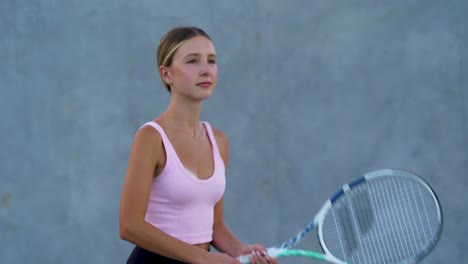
368,177
322,213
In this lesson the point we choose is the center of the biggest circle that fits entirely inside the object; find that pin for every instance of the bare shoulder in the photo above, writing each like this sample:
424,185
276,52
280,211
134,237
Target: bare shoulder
147,134
147,139
221,138
223,144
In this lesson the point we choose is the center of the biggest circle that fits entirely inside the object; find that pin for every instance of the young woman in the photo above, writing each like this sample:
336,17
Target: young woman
172,200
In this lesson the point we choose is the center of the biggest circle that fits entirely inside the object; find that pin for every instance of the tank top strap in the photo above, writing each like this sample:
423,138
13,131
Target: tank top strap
212,138
170,151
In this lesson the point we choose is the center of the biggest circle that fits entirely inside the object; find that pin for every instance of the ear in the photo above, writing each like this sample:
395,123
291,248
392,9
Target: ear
165,74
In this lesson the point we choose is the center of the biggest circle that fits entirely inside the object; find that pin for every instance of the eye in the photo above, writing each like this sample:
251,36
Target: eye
192,61
212,61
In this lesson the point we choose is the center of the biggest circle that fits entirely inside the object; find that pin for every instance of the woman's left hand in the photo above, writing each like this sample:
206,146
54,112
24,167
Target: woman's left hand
258,254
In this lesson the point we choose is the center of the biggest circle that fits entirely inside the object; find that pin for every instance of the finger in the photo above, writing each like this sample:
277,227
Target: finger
265,254
261,257
265,257
257,247
254,258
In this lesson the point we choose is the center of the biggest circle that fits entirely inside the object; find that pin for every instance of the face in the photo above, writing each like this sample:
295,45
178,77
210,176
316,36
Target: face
193,72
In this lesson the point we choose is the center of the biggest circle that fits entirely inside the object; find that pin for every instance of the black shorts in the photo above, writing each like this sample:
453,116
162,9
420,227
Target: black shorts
143,256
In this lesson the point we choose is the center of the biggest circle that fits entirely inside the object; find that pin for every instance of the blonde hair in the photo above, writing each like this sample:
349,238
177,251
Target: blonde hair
172,40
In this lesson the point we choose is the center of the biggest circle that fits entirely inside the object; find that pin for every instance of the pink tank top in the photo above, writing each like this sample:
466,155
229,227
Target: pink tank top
180,204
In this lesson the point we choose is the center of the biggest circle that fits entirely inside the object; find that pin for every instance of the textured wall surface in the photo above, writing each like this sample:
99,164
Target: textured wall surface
311,94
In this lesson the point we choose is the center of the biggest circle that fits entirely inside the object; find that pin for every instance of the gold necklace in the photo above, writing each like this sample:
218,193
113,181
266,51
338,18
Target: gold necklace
194,133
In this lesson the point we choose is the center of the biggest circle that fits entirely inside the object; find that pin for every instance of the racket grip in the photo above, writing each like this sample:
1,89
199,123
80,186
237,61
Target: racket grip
245,259
272,252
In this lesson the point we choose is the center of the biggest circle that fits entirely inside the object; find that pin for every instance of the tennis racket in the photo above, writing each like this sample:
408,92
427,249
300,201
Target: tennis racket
386,216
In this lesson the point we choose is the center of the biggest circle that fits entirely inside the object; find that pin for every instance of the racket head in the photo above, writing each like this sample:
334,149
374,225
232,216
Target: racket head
386,216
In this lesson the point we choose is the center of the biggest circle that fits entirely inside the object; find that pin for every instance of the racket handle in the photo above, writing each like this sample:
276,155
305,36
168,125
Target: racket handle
245,259
274,252
271,252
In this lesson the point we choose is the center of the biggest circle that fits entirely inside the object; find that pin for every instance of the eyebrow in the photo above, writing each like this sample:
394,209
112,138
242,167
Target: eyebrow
198,55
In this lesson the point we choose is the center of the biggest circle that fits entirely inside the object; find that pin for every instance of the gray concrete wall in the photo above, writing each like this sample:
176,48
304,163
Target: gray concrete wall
311,94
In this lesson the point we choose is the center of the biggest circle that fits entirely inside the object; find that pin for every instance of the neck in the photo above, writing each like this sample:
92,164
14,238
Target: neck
183,115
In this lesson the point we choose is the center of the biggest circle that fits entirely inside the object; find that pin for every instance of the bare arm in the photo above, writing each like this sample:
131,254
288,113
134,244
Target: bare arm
223,239
147,151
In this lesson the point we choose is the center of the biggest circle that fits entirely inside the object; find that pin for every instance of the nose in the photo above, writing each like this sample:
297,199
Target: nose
205,69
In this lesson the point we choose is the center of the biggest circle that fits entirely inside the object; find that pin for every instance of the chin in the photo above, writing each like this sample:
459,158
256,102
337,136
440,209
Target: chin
203,95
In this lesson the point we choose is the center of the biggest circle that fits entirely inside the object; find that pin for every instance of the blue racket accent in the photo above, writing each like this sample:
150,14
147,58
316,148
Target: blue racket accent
293,241
336,195
350,185
357,182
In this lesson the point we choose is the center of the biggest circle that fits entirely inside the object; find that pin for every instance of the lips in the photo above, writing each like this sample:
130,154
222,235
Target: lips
204,84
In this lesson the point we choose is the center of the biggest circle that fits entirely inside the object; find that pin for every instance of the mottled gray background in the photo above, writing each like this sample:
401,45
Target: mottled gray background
311,94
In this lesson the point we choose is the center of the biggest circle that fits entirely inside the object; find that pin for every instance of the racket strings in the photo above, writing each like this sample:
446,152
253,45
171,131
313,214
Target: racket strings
382,221
394,225
398,227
